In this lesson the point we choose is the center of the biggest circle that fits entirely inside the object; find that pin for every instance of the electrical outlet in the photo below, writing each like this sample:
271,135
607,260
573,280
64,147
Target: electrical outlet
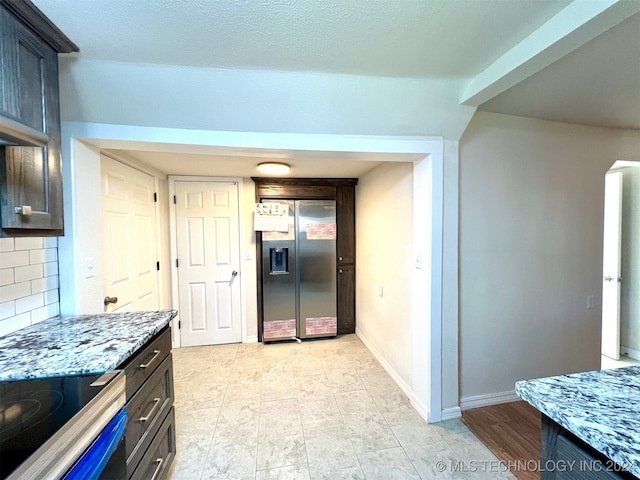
590,302
381,290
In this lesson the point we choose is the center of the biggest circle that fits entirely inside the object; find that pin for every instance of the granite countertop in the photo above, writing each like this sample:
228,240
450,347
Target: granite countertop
600,407
77,345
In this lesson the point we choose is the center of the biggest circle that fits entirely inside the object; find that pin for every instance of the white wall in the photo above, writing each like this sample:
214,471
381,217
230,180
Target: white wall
259,101
164,250
531,224
450,340
630,261
83,227
384,232
28,281
248,247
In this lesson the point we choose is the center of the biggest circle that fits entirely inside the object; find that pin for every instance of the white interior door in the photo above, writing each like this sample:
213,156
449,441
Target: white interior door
611,265
130,248
208,245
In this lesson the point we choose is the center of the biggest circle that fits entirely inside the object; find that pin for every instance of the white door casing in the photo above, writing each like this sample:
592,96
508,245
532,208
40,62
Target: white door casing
208,249
611,265
129,237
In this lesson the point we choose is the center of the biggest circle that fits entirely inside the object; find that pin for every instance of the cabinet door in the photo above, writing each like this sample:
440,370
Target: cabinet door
346,220
23,59
9,100
31,176
346,299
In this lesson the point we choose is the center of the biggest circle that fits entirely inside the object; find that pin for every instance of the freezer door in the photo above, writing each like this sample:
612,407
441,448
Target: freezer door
279,281
317,268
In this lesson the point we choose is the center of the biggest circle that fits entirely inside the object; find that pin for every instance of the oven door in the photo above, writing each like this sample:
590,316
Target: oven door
60,454
94,461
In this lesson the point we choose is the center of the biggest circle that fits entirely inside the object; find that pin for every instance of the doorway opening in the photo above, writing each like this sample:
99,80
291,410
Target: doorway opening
621,267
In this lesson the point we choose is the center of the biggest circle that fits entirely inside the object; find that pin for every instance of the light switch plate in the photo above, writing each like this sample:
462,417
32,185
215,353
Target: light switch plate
89,268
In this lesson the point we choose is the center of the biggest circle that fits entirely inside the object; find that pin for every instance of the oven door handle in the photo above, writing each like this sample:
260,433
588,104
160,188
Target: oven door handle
95,459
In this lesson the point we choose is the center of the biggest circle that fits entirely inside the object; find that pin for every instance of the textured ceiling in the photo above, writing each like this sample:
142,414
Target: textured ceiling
418,57
397,38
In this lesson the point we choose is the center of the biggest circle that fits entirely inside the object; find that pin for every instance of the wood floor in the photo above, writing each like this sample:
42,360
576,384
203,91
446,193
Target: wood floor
512,432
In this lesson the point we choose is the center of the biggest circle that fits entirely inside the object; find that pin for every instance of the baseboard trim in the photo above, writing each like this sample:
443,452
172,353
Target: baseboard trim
477,401
629,352
420,407
251,339
451,413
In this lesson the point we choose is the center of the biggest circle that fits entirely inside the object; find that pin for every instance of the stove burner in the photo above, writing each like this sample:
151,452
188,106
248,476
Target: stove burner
19,413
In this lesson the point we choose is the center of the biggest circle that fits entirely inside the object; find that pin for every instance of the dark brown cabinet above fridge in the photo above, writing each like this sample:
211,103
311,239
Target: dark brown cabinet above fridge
339,191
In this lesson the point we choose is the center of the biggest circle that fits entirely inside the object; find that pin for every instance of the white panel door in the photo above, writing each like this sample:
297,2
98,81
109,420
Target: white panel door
129,238
208,242
611,265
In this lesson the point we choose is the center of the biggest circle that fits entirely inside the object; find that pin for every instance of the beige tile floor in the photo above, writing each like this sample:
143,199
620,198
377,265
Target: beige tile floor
322,409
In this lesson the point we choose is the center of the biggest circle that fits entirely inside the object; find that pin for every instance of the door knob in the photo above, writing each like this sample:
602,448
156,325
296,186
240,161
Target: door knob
108,300
234,273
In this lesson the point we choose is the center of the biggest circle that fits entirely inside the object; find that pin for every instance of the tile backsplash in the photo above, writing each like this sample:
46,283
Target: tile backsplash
28,281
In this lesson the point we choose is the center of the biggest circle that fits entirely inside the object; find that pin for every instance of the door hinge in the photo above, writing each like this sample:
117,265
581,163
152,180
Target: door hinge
179,324
155,197
177,263
175,200
158,266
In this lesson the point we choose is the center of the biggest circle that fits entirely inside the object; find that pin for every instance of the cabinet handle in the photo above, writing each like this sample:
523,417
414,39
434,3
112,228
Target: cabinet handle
340,271
151,360
156,472
340,258
156,402
24,210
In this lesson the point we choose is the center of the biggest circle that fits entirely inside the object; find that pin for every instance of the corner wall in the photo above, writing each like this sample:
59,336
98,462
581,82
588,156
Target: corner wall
630,263
531,225
384,233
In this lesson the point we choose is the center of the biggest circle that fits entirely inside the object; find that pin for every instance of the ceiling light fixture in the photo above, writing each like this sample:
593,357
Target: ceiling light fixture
274,168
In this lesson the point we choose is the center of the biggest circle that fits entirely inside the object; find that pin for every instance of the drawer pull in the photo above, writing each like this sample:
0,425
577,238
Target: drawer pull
156,402
151,360
156,472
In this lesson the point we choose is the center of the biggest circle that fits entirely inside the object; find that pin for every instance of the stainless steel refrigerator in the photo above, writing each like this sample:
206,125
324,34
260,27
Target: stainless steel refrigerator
299,273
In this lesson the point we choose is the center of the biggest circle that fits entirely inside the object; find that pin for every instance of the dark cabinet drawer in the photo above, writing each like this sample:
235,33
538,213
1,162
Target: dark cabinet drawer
142,366
157,460
583,465
146,410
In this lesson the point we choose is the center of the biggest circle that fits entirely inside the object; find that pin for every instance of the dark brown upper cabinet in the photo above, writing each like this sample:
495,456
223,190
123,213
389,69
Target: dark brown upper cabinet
346,220
30,176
